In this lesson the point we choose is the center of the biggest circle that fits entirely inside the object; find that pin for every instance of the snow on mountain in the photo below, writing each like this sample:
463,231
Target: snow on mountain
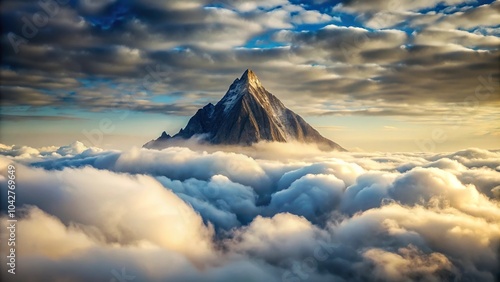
247,114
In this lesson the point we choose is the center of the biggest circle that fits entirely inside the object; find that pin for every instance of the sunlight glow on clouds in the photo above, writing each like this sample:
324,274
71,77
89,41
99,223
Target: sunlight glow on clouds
263,214
420,76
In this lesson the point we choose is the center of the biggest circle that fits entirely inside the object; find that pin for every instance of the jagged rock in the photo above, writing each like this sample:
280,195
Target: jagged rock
247,114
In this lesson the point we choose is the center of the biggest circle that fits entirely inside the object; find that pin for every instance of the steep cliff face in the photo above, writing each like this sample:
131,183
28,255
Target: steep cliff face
248,113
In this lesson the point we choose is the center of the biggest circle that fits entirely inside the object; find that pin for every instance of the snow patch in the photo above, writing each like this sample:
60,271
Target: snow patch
233,95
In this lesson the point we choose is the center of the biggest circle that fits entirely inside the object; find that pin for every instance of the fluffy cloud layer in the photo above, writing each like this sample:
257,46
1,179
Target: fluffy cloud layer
203,214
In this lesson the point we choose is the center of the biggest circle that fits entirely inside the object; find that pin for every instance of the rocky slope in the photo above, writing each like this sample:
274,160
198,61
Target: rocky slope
247,114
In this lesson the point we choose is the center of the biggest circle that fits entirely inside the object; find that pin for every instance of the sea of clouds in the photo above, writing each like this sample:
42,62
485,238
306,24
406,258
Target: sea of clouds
271,212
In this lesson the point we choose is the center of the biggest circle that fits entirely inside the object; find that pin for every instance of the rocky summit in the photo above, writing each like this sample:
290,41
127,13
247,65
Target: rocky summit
247,114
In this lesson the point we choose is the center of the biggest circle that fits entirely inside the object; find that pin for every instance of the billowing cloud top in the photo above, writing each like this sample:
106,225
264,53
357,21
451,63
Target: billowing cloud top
416,61
272,212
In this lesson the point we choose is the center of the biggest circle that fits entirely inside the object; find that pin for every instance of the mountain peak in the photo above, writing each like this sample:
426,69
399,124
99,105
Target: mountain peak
247,114
250,78
247,83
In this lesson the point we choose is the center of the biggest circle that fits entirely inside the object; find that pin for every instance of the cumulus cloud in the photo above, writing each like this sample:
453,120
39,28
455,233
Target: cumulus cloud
282,236
310,196
409,262
82,196
271,212
216,215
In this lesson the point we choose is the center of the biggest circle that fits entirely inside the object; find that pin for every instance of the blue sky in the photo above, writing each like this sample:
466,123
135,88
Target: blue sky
370,75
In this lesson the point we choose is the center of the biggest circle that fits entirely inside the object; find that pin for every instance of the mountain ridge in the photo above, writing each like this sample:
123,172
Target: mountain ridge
247,114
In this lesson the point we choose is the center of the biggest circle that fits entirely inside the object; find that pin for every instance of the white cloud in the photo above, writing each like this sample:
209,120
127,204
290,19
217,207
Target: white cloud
247,6
264,213
384,14
310,196
433,36
408,262
283,235
381,5
310,17
484,15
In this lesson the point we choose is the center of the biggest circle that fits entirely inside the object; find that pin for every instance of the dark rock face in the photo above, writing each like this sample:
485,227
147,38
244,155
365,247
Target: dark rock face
247,114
